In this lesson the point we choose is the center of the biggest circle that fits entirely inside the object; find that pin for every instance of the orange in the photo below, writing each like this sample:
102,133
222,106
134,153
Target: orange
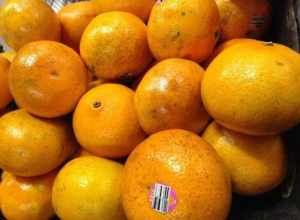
224,46
105,121
257,164
261,18
169,96
254,88
27,198
8,55
182,163
89,188
47,78
240,18
114,45
183,29
235,18
140,8
74,18
24,21
32,146
5,96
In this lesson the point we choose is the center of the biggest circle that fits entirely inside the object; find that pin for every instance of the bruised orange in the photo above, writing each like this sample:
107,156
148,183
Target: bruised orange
31,146
24,21
183,29
114,45
185,165
169,96
89,188
105,121
27,198
5,96
47,78
254,88
74,18
140,8
256,164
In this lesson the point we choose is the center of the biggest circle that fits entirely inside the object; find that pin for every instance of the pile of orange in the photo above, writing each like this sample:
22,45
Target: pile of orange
107,112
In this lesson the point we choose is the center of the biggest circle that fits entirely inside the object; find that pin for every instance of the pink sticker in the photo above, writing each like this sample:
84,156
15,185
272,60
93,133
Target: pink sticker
163,198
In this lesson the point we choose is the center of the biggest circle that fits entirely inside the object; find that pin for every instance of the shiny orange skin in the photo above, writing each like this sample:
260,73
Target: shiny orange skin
261,14
169,96
5,96
140,8
183,161
24,21
224,46
47,78
183,29
254,88
105,121
31,146
235,18
27,198
256,164
120,52
74,18
89,188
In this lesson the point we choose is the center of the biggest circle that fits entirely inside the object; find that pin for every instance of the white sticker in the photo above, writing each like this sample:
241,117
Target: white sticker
58,4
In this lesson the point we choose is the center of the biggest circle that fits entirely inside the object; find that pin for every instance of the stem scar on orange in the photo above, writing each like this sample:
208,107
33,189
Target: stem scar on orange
105,122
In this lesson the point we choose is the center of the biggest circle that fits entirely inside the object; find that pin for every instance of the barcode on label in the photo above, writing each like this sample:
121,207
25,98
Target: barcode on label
258,21
160,200
58,4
